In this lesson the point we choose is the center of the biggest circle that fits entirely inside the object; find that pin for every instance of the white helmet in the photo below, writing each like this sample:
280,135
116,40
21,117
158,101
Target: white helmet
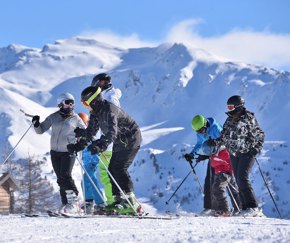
63,97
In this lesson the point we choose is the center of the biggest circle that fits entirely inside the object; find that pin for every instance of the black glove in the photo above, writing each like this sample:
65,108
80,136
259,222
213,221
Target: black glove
211,142
74,148
98,146
93,149
188,157
254,152
35,121
80,132
71,148
201,158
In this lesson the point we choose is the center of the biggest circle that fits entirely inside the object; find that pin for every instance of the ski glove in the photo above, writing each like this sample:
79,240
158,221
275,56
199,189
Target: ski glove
99,145
211,142
93,149
35,121
188,157
254,152
79,146
201,158
80,132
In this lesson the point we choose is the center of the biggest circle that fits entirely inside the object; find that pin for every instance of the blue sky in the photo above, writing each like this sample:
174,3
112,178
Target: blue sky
35,23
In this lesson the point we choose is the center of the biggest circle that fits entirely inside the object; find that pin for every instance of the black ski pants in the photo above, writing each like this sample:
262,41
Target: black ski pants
62,163
118,167
222,183
242,165
209,178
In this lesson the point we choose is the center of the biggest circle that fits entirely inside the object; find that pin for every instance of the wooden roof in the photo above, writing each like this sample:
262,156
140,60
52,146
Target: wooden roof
6,177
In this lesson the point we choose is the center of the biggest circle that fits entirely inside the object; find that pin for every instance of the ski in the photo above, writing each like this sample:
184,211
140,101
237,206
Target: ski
31,215
53,214
64,215
160,217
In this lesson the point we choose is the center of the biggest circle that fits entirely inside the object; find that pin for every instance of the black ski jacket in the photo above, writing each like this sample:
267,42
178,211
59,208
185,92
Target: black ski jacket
243,135
116,126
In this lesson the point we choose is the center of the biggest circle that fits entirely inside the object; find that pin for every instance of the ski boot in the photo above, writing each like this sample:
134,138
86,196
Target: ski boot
123,207
99,209
88,207
72,207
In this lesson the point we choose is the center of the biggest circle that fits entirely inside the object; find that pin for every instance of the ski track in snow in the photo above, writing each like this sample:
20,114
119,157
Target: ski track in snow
15,228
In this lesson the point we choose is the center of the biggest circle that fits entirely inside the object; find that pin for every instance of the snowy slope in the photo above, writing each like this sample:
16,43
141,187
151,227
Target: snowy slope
163,88
185,229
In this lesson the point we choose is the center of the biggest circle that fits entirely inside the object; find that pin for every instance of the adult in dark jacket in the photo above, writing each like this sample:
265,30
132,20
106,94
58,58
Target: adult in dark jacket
118,128
62,123
244,139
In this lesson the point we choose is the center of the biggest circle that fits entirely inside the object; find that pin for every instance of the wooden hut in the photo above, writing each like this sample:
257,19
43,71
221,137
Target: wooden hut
7,187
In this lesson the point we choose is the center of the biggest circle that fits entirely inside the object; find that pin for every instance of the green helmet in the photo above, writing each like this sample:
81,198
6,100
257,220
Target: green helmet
198,122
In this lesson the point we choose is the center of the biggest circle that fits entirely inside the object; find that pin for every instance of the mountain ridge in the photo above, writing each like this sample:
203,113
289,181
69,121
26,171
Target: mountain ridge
165,85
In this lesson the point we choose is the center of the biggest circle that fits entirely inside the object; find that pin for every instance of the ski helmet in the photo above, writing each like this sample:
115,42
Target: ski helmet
198,122
102,77
90,94
84,117
65,97
235,103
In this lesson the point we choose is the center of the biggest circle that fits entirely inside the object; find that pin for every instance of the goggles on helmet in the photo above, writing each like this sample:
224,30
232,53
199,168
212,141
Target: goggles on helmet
87,102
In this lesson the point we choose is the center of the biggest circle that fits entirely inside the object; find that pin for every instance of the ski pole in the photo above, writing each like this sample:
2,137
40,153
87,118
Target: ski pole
268,188
116,183
178,187
232,197
196,176
93,183
17,144
26,113
84,189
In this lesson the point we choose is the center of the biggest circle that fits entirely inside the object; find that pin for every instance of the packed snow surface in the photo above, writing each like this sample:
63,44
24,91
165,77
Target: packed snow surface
184,229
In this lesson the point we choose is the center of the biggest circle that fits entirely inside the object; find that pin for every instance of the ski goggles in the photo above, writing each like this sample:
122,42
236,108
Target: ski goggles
67,103
201,130
87,102
231,107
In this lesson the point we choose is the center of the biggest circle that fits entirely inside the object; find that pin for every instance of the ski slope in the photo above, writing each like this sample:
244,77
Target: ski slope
183,229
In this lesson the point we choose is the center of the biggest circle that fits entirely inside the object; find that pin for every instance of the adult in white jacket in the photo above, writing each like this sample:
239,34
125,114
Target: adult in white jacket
62,123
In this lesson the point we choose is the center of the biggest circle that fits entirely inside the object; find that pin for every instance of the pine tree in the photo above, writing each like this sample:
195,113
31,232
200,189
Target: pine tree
36,192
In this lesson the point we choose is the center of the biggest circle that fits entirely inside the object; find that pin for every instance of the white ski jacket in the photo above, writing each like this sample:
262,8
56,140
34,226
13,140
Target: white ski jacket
112,95
62,130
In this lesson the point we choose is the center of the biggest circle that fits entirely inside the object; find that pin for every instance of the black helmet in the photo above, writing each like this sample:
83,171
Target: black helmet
100,77
235,103
90,94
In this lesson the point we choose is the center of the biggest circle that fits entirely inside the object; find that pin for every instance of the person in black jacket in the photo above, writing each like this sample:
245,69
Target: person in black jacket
118,128
244,139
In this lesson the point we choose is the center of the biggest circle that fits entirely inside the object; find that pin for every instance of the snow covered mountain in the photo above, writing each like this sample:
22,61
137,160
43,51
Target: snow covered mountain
163,88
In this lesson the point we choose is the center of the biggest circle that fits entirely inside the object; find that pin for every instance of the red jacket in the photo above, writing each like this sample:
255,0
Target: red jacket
221,162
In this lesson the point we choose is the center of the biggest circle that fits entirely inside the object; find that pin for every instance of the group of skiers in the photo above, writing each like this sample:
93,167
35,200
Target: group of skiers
117,144
110,139
231,151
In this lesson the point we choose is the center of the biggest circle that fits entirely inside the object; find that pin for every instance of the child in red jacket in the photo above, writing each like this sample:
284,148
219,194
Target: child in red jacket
223,180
